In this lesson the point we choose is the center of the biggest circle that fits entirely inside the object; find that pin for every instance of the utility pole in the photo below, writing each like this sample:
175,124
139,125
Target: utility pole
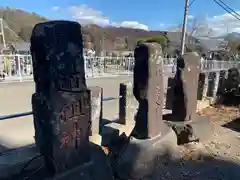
2,33
184,28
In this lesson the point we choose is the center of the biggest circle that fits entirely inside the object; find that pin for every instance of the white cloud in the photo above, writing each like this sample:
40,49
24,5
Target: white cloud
133,24
222,24
55,8
162,25
86,15
190,17
214,26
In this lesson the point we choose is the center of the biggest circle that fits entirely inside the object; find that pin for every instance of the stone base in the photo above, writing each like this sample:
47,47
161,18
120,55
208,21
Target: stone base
199,129
13,161
96,139
204,103
137,158
113,130
98,167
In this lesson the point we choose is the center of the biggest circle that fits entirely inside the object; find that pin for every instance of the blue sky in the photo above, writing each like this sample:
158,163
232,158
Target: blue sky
151,14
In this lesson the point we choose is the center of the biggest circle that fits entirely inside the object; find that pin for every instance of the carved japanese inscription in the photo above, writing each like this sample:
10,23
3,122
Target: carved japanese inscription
62,102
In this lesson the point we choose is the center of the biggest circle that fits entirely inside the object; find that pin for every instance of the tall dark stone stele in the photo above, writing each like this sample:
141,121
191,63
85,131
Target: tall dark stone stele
151,136
185,88
148,90
61,102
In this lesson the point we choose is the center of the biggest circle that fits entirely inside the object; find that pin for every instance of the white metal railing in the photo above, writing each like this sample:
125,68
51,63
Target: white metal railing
20,66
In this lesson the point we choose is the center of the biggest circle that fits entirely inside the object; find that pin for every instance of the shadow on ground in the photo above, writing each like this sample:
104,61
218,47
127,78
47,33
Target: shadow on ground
207,168
233,125
3,149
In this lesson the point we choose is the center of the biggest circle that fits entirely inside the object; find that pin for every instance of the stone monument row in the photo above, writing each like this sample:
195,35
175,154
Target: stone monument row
70,133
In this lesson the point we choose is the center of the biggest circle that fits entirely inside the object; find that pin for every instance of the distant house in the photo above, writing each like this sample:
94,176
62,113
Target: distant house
214,48
9,49
211,48
120,53
23,48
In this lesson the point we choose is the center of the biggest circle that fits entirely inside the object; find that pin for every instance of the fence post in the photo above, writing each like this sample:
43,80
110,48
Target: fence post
129,65
19,67
85,66
201,86
125,103
91,65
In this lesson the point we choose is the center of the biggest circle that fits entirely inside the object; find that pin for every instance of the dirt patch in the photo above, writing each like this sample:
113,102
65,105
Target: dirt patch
216,159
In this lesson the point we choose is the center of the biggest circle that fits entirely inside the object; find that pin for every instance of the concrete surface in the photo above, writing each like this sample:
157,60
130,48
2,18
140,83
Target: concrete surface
16,98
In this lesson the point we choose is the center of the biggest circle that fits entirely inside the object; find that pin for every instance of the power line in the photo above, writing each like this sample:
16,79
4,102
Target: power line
227,10
5,26
190,4
231,9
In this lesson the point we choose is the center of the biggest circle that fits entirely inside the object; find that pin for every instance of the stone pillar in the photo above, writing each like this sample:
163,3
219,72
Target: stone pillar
206,82
216,84
169,94
96,114
96,109
188,126
200,86
221,82
148,90
126,104
151,136
185,90
211,84
61,102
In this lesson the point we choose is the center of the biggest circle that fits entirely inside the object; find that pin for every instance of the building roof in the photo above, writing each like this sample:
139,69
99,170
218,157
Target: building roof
22,47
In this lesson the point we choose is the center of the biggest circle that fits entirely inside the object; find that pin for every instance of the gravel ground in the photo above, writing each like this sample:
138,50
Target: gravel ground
216,159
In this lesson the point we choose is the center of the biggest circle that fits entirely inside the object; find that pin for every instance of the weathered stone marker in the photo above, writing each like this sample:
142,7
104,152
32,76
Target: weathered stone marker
151,137
221,82
185,90
200,86
148,90
62,103
187,125
126,103
169,94
206,83
211,84
96,109
96,97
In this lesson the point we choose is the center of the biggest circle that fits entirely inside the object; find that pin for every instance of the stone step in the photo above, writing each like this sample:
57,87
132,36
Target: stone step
113,130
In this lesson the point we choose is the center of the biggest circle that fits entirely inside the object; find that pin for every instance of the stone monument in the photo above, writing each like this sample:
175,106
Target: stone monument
187,125
62,102
148,90
151,137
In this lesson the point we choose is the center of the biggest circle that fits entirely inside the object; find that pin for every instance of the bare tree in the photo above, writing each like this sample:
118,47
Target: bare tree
199,27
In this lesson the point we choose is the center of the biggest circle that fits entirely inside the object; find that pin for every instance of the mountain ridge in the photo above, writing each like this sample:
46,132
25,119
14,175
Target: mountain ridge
19,25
